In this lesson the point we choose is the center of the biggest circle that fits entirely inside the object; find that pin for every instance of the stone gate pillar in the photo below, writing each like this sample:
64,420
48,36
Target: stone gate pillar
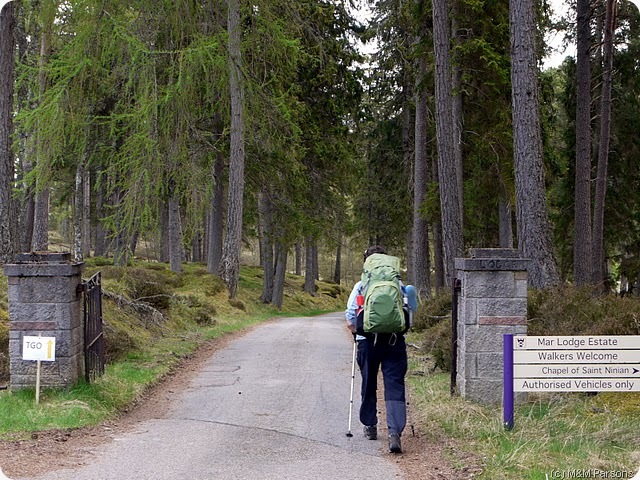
44,299
492,302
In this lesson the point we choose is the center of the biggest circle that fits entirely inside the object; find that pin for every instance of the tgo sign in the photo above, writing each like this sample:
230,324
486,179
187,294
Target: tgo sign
39,348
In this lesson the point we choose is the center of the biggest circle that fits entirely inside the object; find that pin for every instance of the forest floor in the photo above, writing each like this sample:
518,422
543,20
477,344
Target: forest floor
424,457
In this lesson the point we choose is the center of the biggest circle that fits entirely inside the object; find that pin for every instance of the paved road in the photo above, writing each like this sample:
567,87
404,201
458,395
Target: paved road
272,405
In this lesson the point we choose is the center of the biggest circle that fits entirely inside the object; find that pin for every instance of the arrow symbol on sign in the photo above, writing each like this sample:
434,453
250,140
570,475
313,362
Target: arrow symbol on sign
49,345
635,370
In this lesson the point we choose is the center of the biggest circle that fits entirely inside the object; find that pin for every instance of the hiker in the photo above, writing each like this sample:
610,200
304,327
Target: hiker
375,350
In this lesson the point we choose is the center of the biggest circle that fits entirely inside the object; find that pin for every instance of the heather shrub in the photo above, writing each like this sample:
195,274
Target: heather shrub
578,311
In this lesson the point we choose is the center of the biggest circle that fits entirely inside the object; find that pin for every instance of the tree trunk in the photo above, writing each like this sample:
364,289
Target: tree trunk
40,241
163,238
77,215
534,229
456,111
599,270
133,243
7,66
25,153
316,269
438,258
230,262
26,220
266,246
280,272
100,247
438,255
408,152
86,210
82,210
582,256
119,242
298,250
309,273
449,194
196,246
506,229
120,250
598,13
175,234
216,218
206,221
421,254
410,257
337,273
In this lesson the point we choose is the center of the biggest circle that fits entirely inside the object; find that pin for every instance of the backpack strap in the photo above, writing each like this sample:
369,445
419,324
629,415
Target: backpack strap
364,286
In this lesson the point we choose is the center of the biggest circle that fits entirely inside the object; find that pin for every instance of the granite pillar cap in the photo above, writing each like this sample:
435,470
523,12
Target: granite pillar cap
43,264
494,253
43,257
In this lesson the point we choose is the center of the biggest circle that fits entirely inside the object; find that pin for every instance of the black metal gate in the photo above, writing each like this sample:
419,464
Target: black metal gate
94,346
455,290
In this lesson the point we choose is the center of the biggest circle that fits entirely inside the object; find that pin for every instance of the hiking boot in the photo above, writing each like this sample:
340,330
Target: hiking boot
371,432
394,443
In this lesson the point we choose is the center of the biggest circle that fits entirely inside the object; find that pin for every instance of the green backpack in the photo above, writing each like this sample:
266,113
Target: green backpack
383,298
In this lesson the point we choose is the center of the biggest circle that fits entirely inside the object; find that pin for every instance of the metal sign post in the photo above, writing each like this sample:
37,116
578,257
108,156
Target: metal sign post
507,409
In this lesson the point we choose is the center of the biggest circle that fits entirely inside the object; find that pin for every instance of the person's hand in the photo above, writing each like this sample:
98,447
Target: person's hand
352,327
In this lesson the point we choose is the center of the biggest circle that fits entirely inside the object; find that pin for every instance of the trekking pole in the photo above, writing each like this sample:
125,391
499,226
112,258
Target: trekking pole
359,309
412,305
353,376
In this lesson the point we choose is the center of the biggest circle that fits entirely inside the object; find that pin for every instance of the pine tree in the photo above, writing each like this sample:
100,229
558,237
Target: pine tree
448,178
582,236
7,63
534,230
230,263
603,146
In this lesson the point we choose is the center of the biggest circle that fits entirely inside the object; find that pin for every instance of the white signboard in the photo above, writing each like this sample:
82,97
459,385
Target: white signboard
576,363
39,348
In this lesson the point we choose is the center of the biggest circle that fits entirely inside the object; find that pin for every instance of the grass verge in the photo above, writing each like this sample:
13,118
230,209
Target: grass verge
554,435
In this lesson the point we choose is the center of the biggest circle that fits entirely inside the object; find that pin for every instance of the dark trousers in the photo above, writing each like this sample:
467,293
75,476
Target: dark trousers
388,351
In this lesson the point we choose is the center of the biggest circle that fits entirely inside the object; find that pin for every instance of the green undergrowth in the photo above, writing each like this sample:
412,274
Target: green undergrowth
153,319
